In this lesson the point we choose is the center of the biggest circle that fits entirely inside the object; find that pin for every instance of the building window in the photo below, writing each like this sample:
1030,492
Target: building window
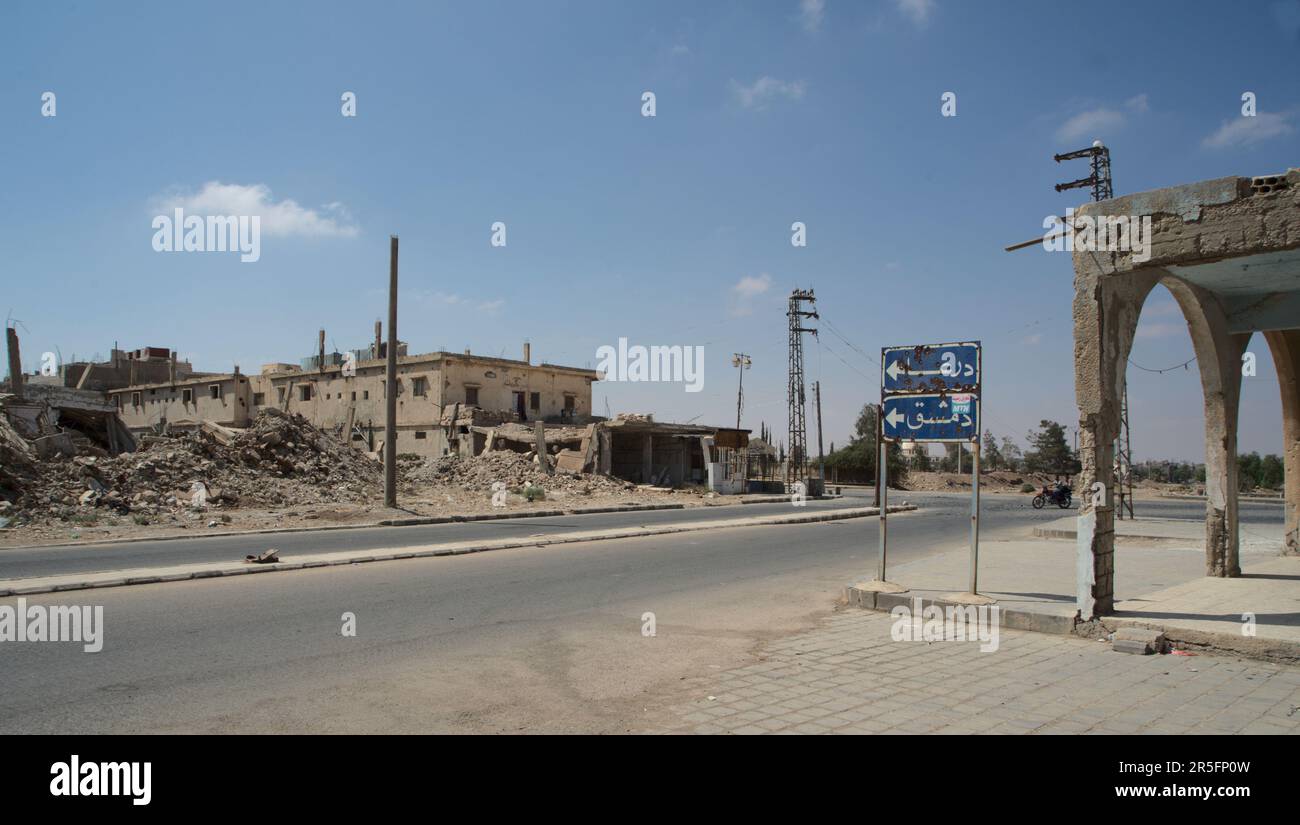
471,396
420,435
534,401
569,402
259,398
187,396
354,398
135,399
419,386
304,392
365,396
214,391
279,394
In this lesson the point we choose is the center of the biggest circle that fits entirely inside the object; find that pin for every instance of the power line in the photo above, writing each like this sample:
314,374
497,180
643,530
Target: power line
1166,369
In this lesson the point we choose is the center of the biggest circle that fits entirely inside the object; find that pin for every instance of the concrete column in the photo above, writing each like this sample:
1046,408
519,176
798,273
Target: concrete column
1106,309
647,457
1285,346
1218,357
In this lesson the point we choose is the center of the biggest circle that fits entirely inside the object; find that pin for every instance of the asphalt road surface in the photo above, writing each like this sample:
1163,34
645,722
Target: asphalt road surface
529,640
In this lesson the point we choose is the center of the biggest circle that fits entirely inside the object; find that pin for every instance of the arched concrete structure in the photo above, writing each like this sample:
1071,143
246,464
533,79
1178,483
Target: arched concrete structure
1285,346
1229,252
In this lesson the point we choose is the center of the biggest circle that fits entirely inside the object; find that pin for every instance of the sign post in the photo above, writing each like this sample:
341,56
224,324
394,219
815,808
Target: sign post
882,491
932,393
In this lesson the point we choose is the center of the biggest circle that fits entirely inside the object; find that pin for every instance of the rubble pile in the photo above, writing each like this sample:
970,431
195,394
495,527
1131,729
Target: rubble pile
515,470
281,459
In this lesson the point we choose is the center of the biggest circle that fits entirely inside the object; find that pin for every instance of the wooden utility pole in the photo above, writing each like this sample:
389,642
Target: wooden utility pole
390,405
15,363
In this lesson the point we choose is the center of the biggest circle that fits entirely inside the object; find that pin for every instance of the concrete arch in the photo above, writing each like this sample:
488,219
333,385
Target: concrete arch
1218,357
1285,347
1106,314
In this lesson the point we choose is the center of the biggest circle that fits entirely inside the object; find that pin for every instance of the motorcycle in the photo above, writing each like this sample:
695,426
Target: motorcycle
1059,495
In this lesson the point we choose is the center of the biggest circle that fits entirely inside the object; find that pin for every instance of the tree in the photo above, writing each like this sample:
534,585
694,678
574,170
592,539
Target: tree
1011,455
1048,450
858,460
990,456
921,461
1256,471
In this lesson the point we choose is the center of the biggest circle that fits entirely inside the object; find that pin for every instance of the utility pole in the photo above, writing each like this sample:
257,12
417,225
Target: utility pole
1124,458
15,363
390,405
1099,180
1103,189
796,469
821,458
741,361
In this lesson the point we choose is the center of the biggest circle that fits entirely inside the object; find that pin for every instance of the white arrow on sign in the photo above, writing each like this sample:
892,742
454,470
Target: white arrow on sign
894,369
894,418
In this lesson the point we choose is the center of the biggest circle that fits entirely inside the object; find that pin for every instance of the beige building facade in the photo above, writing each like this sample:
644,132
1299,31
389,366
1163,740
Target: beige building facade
353,395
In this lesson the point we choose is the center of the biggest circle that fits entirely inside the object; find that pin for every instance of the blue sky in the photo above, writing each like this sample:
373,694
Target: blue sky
672,230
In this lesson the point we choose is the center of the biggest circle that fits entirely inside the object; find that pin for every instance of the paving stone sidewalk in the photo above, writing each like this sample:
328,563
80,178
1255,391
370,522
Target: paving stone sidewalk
850,676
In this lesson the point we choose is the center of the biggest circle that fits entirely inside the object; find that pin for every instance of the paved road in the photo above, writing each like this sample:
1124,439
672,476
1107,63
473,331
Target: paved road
998,511
535,639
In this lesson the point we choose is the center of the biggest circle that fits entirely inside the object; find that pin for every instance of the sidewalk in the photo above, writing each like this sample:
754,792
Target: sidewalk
1183,532
1159,583
850,676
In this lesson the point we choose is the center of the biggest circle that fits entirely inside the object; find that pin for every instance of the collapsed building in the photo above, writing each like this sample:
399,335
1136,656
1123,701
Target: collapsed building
448,404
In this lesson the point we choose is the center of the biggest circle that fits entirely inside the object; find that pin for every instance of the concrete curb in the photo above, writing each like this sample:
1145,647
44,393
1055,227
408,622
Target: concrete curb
1071,535
576,511
120,578
407,522
1265,499
1265,649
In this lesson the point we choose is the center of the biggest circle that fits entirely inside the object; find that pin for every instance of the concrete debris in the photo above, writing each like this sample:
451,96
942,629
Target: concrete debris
271,556
515,470
281,459
1139,640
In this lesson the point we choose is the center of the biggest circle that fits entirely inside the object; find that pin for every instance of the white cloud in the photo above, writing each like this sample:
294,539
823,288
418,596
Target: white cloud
744,291
282,218
1244,131
438,298
749,286
1093,123
764,90
1090,124
1160,329
811,12
918,11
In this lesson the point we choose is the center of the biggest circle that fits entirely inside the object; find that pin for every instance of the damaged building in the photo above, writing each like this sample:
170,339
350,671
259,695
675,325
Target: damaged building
448,404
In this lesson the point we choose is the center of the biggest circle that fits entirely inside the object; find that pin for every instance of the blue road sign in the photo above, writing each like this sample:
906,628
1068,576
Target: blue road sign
931,368
932,417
